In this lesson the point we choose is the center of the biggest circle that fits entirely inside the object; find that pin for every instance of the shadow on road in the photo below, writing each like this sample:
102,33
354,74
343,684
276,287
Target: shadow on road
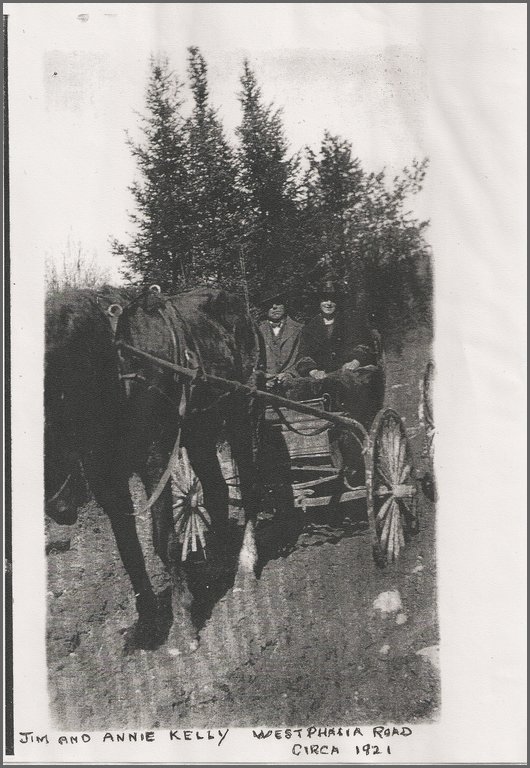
277,537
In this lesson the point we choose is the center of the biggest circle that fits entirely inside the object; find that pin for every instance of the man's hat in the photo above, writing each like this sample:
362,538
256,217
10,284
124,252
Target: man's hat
275,298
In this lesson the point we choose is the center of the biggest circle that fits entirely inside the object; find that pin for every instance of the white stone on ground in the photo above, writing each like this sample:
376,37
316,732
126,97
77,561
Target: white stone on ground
431,652
388,602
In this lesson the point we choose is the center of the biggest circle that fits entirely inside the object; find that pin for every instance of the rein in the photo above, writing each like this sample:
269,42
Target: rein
61,489
307,433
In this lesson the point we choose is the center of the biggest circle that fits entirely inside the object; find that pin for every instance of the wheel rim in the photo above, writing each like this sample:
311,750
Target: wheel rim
394,489
190,518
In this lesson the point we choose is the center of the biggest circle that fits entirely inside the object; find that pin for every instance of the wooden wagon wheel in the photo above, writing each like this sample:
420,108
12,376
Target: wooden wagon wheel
391,489
190,517
426,416
425,411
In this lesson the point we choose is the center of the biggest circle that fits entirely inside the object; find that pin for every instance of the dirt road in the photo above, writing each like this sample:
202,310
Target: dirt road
302,645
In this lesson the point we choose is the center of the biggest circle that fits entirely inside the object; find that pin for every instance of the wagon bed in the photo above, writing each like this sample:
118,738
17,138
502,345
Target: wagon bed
330,465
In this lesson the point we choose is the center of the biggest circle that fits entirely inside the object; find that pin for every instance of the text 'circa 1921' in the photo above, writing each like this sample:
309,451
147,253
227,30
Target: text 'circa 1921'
324,746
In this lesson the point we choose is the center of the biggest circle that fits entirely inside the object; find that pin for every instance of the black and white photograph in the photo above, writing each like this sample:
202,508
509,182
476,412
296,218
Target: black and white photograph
264,311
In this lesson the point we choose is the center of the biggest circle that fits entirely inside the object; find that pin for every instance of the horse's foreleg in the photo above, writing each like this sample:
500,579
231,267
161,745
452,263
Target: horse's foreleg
183,635
200,439
112,494
240,436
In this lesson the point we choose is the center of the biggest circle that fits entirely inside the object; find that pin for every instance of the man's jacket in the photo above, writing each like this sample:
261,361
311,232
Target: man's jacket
282,351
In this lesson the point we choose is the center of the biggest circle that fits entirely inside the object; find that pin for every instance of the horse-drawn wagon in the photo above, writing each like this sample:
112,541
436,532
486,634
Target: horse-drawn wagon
164,379
331,457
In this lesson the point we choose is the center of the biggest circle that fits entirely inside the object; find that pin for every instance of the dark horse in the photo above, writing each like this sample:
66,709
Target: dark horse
109,415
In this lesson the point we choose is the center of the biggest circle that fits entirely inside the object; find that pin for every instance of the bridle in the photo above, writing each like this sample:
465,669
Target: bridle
179,351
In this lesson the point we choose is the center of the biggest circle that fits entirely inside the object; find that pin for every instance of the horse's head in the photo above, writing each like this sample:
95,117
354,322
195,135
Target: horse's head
144,323
80,395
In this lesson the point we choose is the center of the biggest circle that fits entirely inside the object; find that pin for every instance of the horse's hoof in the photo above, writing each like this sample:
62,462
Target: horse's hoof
245,581
191,647
141,636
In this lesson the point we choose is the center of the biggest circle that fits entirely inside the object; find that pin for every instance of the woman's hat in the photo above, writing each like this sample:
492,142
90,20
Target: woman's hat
329,288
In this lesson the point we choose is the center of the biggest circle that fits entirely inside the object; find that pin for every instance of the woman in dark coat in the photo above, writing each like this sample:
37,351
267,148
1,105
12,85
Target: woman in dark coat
338,356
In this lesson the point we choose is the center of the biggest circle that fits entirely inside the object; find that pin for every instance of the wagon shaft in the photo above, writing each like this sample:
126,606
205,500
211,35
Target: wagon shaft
234,386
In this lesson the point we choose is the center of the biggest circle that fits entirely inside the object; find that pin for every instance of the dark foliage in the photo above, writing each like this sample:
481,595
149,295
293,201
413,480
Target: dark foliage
254,219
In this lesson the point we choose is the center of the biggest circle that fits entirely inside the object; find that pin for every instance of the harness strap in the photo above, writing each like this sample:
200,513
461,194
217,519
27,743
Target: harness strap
165,477
176,348
176,326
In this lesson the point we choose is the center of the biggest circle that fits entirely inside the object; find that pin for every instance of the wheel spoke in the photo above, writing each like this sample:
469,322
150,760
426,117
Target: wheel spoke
388,447
404,474
383,476
396,447
386,530
395,537
186,542
398,533
401,455
391,534
181,487
203,514
397,524
200,532
179,515
383,466
390,451
193,519
186,466
384,508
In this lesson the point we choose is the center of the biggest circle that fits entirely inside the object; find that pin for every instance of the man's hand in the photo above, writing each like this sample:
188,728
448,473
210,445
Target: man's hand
351,366
316,374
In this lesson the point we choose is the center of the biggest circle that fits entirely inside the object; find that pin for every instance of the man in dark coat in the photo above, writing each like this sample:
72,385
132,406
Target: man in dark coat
338,357
281,335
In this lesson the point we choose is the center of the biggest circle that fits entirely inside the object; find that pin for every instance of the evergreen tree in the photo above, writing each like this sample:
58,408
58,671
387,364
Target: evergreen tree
158,249
357,229
267,179
390,249
206,212
332,189
214,201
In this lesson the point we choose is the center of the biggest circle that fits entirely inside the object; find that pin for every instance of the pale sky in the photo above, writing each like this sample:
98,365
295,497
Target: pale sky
78,73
